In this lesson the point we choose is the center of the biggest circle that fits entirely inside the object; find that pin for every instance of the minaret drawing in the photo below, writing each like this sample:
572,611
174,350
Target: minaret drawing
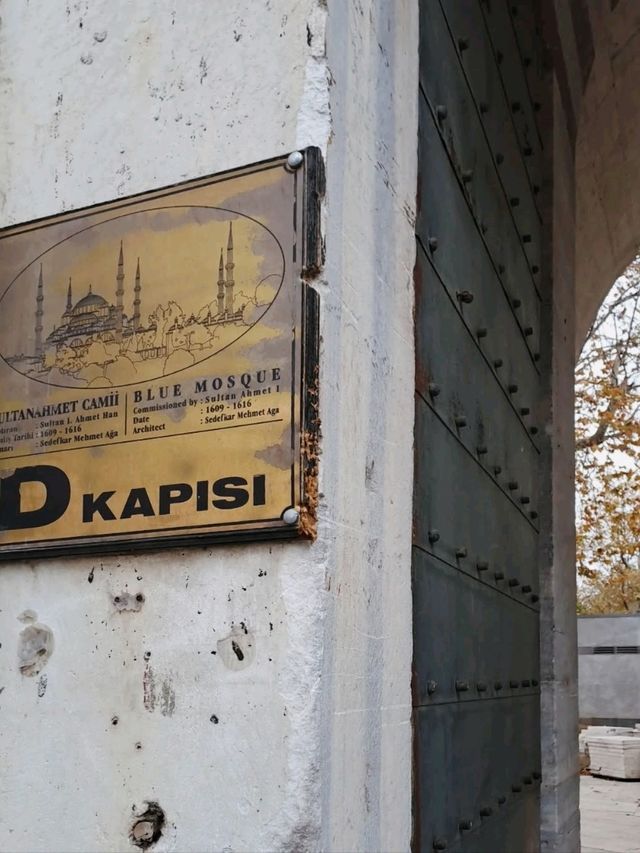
39,314
136,300
221,285
69,298
230,265
119,295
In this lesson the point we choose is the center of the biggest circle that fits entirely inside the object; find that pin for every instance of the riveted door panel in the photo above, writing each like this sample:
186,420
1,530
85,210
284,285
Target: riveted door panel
493,422
498,766
506,834
488,28
513,66
498,639
527,26
479,133
463,516
487,91
478,429
448,231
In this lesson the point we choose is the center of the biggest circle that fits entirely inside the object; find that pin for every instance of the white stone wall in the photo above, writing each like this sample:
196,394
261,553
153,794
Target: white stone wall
307,744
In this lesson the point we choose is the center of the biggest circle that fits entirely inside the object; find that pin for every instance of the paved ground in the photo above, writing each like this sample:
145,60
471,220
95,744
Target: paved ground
609,815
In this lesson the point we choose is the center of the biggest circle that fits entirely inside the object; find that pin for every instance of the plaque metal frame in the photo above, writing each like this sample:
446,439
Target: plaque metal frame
297,518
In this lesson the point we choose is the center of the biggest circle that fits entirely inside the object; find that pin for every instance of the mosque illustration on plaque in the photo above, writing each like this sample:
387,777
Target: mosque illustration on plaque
97,343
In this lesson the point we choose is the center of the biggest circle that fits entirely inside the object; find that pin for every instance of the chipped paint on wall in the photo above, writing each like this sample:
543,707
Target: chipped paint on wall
35,644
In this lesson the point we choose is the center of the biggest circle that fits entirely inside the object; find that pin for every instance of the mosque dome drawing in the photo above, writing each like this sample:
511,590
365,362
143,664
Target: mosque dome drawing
89,303
140,332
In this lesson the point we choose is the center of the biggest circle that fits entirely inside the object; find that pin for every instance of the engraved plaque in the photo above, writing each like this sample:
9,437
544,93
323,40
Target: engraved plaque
157,367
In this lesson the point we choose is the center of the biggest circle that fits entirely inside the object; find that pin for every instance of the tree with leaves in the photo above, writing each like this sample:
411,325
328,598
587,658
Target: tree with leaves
608,454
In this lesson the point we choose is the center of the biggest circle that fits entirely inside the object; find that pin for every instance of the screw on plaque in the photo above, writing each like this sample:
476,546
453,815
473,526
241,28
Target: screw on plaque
291,516
533,430
465,825
502,801
499,576
526,238
433,244
463,44
434,389
481,687
535,599
439,844
482,566
525,683
501,269
486,811
527,151
467,176
484,108
516,789
441,112
515,201
464,296
432,686
514,582
512,388
533,514
512,485
514,684
482,333
461,553
434,536
536,775
460,421
481,449
524,411
528,330
515,107
526,588
498,686
535,269
498,363
525,499
534,683
527,780
462,686
516,303
294,161
499,159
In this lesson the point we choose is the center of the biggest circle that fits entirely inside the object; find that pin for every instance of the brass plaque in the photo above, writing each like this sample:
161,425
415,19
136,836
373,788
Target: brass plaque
156,358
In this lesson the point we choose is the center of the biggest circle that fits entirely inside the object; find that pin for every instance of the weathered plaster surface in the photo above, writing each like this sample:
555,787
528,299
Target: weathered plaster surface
608,159
367,371
560,830
109,98
305,743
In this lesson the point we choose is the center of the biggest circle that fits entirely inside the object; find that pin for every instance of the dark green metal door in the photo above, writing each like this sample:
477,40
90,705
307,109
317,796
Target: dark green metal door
478,381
